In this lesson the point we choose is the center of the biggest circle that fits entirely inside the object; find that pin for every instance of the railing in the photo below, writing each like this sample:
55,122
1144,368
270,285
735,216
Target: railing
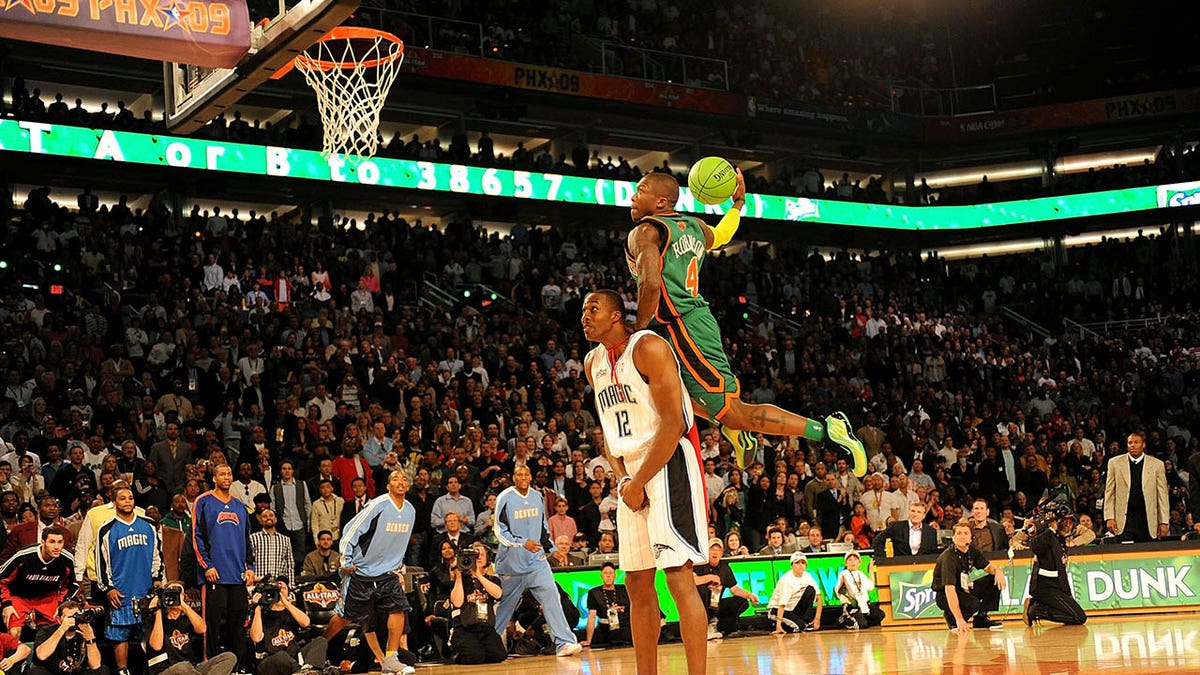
1025,322
1095,329
753,308
654,65
434,296
1079,329
426,31
929,101
482,294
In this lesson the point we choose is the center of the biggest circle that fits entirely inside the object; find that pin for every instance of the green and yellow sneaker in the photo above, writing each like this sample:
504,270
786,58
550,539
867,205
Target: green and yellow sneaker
745,446
837,430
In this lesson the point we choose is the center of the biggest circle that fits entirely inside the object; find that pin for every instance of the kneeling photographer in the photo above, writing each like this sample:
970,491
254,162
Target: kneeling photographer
275,632
176,642
69,647
473,618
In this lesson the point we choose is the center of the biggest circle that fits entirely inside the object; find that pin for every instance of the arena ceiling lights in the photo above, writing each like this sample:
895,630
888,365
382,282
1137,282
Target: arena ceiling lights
169,151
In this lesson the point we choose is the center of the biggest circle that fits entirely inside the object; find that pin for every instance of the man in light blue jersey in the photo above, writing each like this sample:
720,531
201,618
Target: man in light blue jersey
524,535
373,546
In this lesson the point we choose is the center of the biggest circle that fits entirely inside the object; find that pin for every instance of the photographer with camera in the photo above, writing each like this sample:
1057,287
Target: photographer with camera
275,632
35,581
1049,587
128,565
474,597
174,646
69,647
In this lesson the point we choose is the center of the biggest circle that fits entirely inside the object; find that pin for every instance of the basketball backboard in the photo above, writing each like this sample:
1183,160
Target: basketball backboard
195,95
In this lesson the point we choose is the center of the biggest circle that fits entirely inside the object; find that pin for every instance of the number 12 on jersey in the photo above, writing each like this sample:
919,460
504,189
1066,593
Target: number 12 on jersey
622,417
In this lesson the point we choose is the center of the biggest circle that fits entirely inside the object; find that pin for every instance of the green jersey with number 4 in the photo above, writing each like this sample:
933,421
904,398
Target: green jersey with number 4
682,254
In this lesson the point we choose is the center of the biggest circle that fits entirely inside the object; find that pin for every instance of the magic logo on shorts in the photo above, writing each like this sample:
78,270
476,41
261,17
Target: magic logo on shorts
659,549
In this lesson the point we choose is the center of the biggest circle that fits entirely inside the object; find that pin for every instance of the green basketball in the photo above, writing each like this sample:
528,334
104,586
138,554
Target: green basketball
712,180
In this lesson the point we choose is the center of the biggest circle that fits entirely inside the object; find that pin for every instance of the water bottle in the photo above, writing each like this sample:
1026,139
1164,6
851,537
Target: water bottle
889,548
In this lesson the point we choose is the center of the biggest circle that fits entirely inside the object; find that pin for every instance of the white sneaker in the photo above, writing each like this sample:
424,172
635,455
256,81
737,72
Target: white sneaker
408,670
713,633
391,665
570,649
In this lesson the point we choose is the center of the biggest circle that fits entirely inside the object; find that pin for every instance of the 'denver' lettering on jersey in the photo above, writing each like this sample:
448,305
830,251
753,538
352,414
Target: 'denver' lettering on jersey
132,540
615,394
396,526
228,517
527,513
688,244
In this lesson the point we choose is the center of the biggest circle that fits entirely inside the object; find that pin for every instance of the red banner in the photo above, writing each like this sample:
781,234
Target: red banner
570,82
1077,114
211,33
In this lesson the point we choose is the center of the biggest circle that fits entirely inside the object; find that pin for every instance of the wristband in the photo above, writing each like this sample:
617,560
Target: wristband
89,642
621,483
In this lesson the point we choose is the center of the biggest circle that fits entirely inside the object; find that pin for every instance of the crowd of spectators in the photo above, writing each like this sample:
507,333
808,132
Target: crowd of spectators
832,54
263,340
289,348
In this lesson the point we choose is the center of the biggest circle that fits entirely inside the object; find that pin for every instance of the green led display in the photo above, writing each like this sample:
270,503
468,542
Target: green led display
169,151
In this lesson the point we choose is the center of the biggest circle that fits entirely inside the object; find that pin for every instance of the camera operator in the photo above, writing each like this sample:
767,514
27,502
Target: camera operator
69,647
128,565
177,637
1049,587
275,632
474,598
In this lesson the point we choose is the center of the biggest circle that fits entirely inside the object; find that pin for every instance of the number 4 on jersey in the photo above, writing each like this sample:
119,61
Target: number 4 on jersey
693,278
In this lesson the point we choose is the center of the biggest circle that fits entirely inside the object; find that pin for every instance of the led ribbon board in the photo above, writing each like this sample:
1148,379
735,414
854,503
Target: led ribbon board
170,151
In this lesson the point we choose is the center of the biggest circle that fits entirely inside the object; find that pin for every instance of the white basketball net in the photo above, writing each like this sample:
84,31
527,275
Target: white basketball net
350,96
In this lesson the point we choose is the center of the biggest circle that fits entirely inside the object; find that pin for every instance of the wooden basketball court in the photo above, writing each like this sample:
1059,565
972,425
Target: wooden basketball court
1144,644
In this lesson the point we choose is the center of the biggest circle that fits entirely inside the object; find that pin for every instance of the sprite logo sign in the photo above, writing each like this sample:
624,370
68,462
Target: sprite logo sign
1123,583
914,599
1179,194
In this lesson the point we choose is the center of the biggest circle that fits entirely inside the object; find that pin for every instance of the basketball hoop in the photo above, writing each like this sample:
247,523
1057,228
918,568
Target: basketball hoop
351,70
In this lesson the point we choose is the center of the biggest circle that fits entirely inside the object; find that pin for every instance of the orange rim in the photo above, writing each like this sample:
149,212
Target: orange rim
306,62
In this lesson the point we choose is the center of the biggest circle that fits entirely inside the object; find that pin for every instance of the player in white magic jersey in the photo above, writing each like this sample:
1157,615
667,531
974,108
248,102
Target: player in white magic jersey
651,440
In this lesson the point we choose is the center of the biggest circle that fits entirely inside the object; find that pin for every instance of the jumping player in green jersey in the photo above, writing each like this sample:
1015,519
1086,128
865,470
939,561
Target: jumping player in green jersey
665,251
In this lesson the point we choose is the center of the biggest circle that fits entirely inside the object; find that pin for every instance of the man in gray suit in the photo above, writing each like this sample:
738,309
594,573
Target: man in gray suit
1136,507
171,456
